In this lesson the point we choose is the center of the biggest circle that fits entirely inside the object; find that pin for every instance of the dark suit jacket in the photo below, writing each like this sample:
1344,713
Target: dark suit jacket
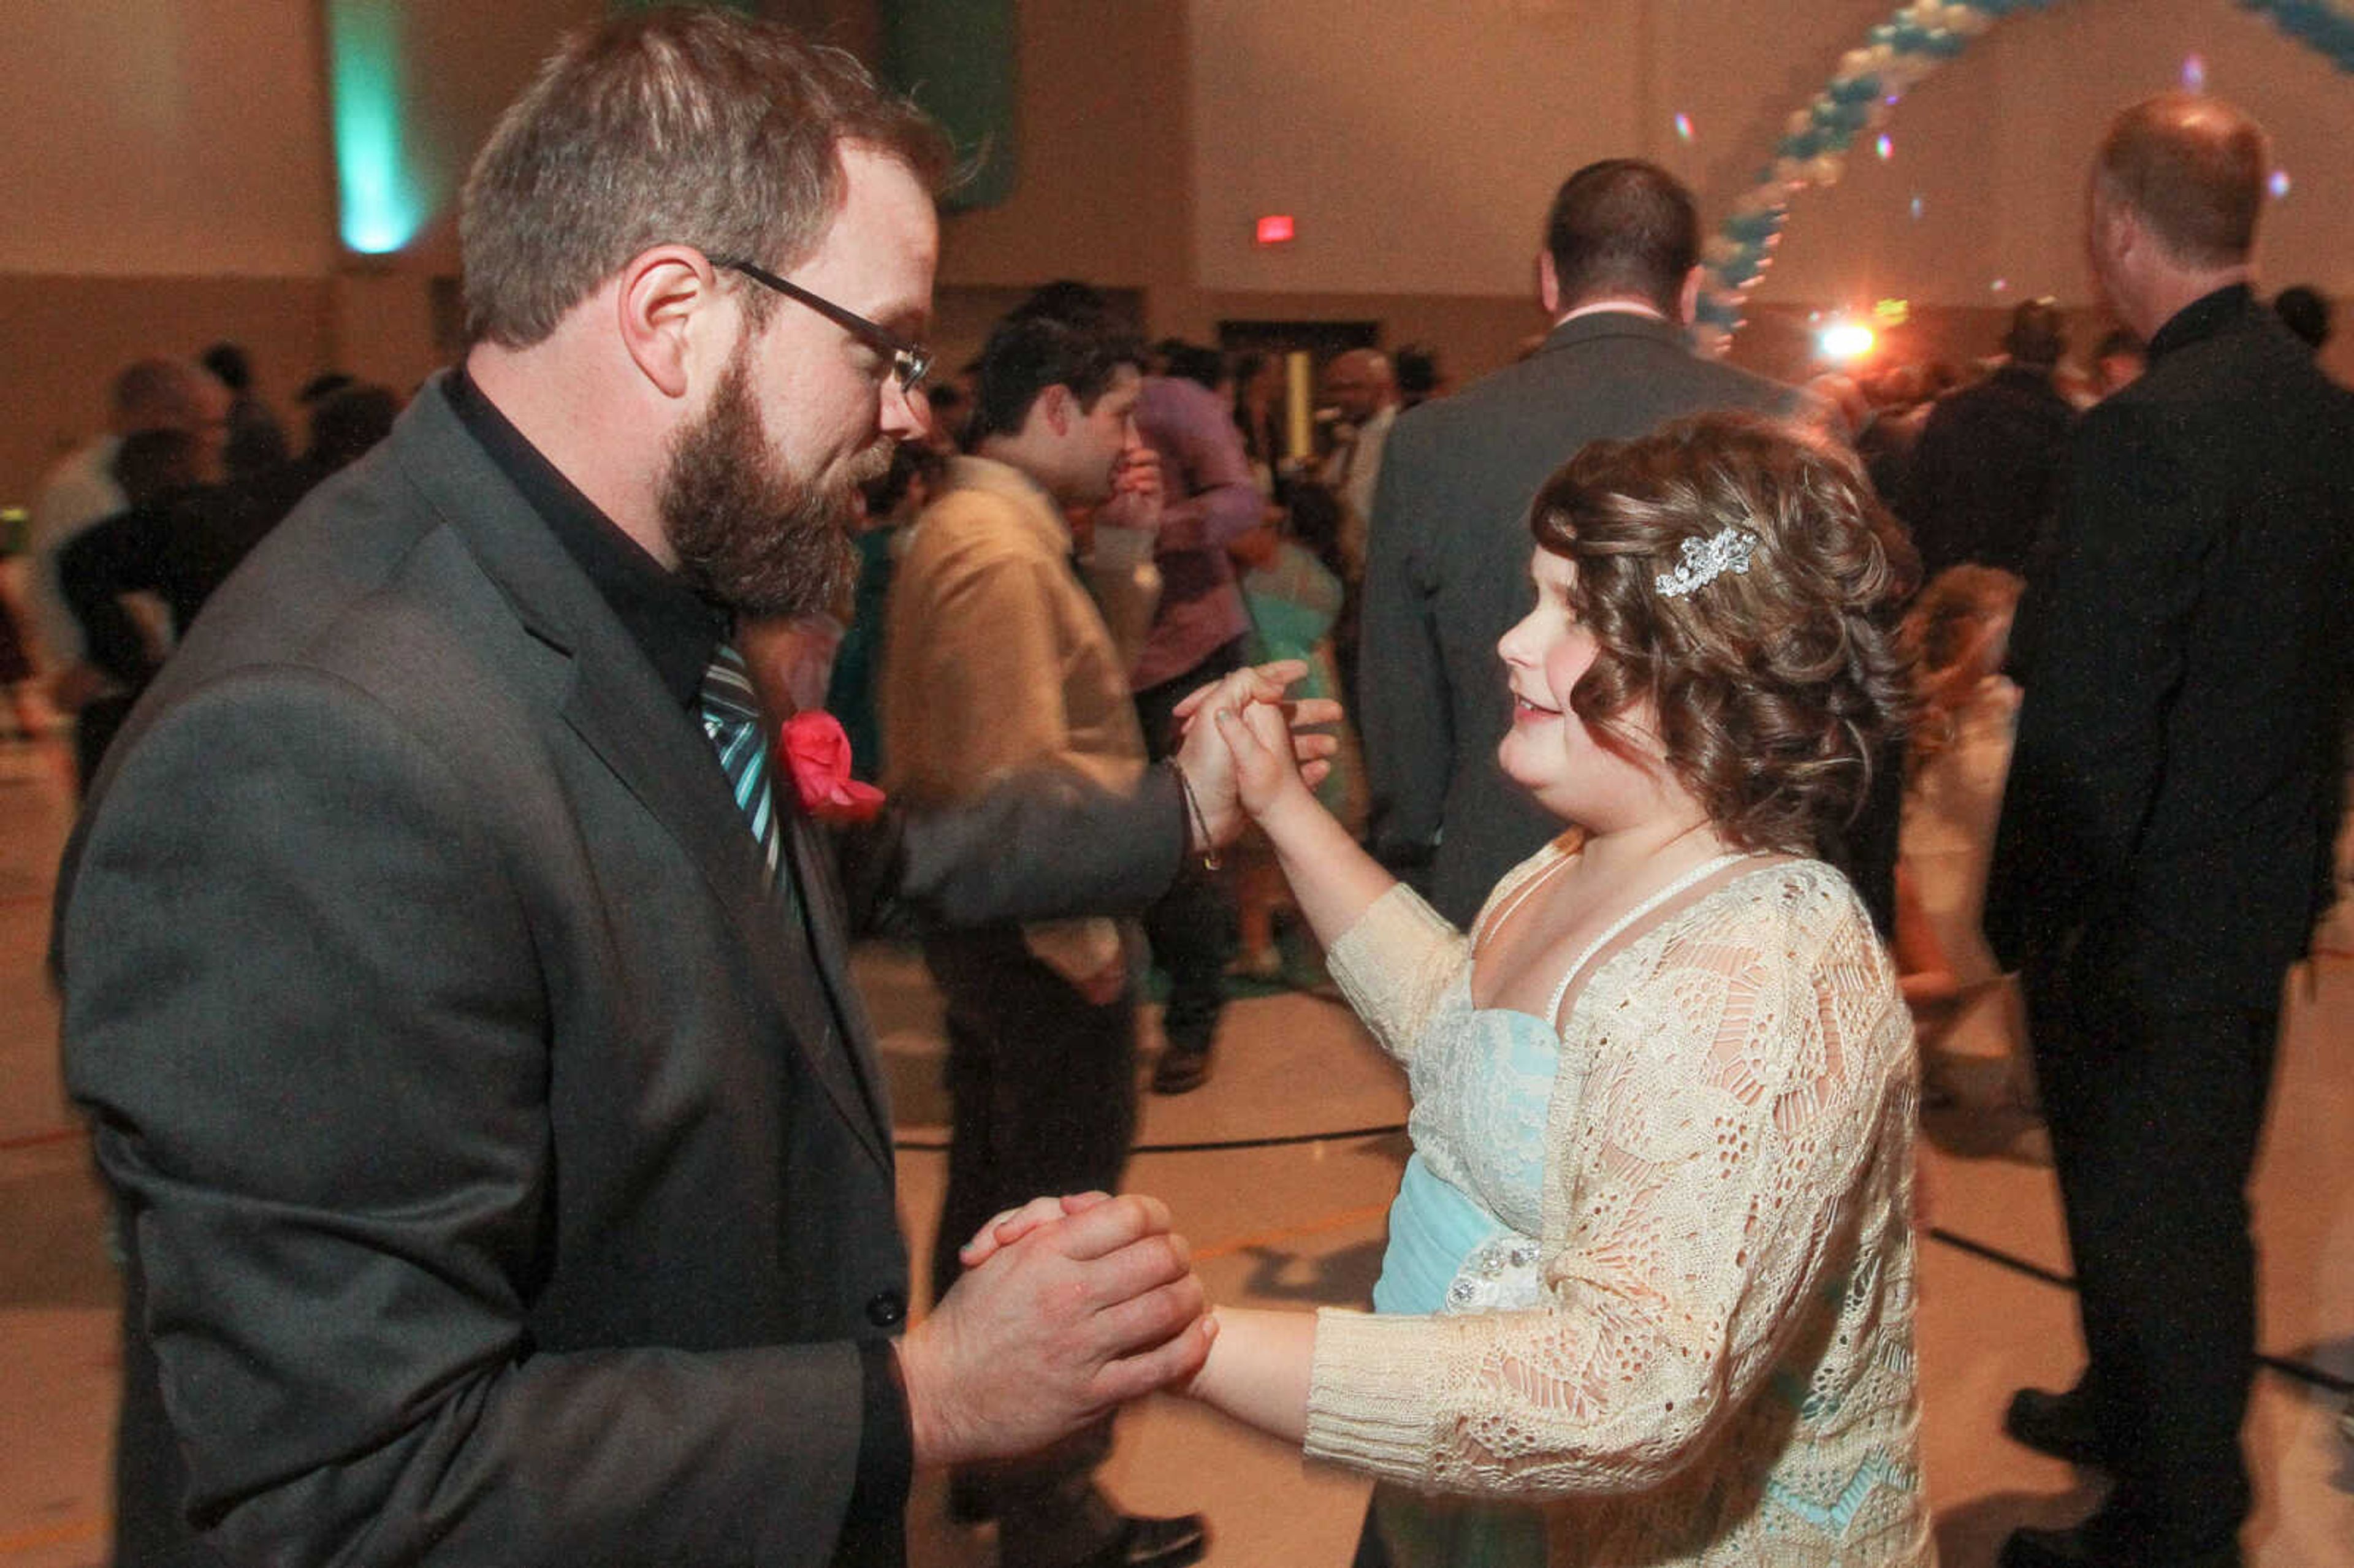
1447,572
505,1182
1985,473
2174,788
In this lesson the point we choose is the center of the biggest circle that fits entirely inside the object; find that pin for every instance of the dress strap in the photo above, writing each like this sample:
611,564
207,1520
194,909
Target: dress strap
1486,926
1697,873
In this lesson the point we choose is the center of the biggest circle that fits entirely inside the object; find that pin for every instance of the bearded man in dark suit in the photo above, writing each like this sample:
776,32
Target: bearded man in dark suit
2164,847
1447,558
499,1143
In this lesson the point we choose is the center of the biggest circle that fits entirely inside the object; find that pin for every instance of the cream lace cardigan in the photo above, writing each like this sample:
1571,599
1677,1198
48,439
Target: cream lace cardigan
1724,1371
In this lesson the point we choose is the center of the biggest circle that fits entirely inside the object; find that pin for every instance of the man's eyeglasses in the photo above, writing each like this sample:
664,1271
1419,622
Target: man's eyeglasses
910,362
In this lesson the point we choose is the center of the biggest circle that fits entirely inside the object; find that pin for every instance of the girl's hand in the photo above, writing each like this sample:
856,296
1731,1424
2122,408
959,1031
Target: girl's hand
1266,777
1011,1226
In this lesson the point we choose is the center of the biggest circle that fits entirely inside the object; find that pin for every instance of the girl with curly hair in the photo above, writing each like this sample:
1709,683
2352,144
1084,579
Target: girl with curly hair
1648,1293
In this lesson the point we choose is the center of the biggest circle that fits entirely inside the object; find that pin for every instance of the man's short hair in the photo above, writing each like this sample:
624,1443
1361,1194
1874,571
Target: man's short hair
694,126
1067,300
229,366
2192,168
1027,354
160,395
1623,228
1194,362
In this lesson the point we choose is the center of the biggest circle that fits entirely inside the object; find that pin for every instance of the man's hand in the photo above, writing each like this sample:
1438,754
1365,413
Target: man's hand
1208,761
1070,1320
1138,493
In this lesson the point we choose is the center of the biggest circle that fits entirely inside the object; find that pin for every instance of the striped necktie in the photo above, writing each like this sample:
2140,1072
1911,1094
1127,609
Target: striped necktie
731,717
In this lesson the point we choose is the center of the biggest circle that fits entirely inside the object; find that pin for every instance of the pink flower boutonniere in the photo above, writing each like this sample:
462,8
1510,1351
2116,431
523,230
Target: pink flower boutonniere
817,755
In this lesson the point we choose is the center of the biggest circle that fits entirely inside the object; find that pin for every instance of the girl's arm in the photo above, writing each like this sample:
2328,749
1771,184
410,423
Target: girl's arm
1258,1369
1334,879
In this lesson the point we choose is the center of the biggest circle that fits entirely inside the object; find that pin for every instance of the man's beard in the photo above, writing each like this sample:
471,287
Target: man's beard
746,531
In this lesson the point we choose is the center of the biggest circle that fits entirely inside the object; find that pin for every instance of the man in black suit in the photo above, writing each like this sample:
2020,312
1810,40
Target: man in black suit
498,1142
1447,558
1986,472
2164,847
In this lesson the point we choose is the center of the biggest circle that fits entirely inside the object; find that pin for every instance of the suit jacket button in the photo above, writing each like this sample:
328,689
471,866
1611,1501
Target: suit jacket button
886,1309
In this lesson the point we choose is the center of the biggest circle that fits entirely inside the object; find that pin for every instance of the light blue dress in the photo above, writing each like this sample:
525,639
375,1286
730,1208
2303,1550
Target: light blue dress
1448,1252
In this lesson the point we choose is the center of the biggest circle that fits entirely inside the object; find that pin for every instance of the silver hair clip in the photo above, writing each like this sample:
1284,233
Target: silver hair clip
1704,559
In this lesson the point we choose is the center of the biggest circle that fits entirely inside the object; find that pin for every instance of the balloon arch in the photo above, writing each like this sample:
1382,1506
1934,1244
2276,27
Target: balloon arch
1871,79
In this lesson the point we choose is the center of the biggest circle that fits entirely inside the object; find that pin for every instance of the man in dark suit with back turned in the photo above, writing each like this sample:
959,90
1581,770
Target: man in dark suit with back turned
1986,472
1448,559
499,1143
2164,847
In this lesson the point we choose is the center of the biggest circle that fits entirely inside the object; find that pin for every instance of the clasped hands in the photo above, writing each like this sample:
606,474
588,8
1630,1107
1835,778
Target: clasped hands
1070,1307
1233,754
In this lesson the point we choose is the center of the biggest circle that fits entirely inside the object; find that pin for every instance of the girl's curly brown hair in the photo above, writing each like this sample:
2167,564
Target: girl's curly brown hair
1776,688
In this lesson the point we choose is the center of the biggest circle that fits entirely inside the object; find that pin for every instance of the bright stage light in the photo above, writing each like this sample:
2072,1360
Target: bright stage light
1845,340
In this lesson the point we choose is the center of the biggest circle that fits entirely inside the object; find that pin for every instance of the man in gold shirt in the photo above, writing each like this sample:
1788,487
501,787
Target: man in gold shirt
1001,662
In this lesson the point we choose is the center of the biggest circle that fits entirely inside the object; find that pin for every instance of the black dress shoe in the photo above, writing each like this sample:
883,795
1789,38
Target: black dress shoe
1145,1543
2060,1424
2077,1547
1181,1070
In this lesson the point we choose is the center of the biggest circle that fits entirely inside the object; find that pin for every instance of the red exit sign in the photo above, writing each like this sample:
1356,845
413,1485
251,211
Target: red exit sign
1275,229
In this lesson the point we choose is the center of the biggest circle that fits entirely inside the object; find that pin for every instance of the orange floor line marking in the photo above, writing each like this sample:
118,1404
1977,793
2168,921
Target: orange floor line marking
54,1535
37,1139
1339,1222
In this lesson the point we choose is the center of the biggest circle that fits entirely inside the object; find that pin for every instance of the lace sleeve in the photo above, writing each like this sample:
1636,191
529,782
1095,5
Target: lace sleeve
1700,1190
1393,964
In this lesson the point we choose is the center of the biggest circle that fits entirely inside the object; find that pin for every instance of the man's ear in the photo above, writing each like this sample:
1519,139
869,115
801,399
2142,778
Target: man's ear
2128,236
1548,283
1057,405
2110,232
1687,299
668,295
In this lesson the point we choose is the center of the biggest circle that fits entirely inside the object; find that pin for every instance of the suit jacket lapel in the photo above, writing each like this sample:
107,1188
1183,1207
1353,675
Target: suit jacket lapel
812,866
620,708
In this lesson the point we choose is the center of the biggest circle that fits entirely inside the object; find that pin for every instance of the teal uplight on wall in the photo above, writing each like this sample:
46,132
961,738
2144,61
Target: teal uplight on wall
381,211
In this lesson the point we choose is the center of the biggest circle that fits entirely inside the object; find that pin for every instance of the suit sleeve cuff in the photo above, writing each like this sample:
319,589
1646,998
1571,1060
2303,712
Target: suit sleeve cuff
874,1526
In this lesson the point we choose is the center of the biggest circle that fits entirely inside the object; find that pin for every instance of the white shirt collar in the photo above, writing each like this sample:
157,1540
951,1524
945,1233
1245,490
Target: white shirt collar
1623,307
